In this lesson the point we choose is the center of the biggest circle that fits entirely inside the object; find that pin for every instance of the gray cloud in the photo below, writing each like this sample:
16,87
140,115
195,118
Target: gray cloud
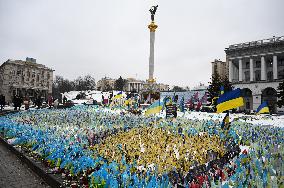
111,38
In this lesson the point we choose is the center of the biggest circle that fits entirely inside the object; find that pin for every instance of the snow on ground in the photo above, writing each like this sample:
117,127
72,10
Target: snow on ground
264,120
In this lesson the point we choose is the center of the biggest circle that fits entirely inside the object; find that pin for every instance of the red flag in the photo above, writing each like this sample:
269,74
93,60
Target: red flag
199,104
196,96
204,98
189,103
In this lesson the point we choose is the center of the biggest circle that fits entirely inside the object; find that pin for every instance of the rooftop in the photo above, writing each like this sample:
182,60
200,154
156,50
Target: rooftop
272,40
28,62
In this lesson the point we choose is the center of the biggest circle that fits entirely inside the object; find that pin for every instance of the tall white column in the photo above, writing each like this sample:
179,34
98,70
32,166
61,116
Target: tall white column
275,71
240,70
263,69
152,28
151,58
230,71
251,69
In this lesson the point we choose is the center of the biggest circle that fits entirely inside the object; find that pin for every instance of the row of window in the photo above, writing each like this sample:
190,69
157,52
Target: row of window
268,64
29,74
257,75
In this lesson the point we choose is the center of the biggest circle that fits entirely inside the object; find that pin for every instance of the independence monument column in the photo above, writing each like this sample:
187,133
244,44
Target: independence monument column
152,28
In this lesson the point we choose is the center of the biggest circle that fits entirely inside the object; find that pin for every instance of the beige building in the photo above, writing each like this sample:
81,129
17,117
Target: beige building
105,84
221,68
25,78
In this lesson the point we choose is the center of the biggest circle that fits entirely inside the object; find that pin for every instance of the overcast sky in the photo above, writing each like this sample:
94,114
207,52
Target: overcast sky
110,37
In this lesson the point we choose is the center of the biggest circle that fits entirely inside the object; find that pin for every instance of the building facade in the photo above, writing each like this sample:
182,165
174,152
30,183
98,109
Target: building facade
134,85
257,67
221,68
25,78
105,84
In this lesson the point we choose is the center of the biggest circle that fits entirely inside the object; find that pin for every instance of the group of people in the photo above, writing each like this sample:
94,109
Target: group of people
127,150
18,101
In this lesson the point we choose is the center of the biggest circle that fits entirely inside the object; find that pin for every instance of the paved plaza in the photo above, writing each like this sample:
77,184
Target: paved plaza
15,174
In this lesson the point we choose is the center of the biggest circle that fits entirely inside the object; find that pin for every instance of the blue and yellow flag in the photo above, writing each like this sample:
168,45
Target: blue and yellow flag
119,95
167,100
230,100
181,105
156,107
222,90
226,122
263,108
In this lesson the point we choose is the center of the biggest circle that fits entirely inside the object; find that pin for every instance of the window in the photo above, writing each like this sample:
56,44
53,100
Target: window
19,72
257,75
281,62
247,65
269,63
257,64
281,74
247,76
270,76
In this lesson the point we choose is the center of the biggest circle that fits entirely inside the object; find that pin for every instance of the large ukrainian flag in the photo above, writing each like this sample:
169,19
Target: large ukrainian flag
230,100
119,95
156,107
263,108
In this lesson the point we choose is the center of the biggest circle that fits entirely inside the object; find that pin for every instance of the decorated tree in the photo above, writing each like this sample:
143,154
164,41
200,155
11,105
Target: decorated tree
280,95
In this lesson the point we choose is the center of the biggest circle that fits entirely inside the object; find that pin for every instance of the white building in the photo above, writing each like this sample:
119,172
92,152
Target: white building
134,85
258,68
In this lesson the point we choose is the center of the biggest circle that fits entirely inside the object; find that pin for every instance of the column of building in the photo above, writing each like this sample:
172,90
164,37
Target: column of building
240,70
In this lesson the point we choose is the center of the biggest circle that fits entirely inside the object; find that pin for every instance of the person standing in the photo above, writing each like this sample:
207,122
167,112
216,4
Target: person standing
50,101
2,101
38,102
27,102
56,103
64,100
17,102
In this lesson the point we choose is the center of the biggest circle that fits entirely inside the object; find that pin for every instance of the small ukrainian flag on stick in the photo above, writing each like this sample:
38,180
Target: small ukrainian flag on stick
226,122
263,108
222,90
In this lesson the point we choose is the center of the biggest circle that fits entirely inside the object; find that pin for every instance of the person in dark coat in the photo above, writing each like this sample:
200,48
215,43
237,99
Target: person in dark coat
64,100
17,102
38,102
2,102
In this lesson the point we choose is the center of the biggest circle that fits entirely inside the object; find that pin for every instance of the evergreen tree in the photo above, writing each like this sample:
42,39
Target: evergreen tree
119,84
280,95
215,85
214,88
178,89
227,85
